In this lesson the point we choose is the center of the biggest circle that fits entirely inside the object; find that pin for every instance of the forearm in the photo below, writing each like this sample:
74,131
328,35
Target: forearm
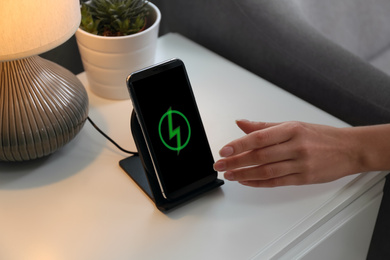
372,146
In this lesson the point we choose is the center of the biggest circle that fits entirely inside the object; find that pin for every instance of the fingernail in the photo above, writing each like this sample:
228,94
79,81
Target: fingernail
220,166
229,176
226,151
243,120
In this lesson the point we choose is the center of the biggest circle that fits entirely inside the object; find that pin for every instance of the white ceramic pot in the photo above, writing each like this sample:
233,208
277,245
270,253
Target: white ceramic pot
108,61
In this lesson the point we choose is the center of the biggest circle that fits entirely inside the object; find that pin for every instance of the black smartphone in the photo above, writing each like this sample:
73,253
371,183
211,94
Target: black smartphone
167,112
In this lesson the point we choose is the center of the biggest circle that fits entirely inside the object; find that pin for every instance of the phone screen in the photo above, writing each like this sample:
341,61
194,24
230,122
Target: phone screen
167,112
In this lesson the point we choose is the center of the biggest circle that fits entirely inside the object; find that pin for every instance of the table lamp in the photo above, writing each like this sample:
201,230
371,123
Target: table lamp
42,105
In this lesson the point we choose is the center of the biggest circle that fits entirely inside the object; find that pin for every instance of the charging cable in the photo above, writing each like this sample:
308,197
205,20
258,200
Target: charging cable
109,139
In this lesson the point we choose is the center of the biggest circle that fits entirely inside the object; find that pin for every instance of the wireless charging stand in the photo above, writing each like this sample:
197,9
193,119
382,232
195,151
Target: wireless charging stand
141,170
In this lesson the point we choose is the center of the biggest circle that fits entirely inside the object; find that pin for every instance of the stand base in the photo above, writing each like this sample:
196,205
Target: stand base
135,169
140,169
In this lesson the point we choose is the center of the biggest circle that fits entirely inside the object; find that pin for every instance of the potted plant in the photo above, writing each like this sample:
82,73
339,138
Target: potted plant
115,38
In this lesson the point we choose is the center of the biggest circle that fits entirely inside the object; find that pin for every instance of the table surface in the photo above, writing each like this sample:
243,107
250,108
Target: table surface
79,204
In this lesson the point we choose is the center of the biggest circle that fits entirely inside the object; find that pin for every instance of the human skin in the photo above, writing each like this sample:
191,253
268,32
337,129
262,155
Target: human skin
298,153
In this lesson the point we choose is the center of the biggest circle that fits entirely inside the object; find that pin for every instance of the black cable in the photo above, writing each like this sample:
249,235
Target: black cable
109,139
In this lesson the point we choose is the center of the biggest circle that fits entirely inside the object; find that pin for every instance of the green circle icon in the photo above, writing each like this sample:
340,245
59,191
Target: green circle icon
174,132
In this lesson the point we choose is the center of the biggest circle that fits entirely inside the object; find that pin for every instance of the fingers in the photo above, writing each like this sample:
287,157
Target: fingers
293,179
249,126
269,134
263,172
267,155
290,153
285,173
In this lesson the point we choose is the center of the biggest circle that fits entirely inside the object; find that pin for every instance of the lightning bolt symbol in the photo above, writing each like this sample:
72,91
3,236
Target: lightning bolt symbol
173,132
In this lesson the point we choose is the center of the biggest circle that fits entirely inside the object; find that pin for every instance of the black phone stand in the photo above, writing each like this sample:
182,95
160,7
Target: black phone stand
140,169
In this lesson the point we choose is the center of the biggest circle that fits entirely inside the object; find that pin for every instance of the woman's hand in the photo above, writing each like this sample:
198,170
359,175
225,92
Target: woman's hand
291,153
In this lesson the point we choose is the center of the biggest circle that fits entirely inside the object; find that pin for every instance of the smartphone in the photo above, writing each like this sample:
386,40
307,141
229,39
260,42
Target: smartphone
167,112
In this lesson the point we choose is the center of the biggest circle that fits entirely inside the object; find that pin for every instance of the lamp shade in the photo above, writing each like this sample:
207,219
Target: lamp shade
31,27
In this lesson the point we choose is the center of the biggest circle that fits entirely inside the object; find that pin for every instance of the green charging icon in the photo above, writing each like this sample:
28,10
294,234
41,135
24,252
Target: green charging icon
168,117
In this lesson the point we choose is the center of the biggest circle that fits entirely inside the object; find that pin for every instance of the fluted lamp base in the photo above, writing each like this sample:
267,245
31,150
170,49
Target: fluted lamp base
43,106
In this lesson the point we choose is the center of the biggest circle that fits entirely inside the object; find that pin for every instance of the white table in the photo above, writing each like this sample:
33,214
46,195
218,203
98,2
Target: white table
79,204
